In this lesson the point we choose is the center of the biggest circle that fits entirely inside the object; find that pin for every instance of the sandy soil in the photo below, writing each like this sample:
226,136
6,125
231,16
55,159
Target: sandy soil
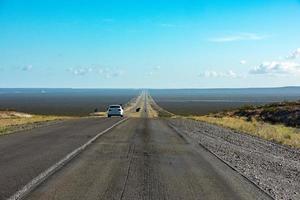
13,114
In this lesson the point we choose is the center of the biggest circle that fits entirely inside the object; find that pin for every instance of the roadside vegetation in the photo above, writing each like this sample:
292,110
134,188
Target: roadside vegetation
160,111
98,114
277,122
287,113
11,121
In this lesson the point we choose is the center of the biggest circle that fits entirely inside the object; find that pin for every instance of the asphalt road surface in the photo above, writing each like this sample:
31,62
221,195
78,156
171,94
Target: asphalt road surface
26,154
142,158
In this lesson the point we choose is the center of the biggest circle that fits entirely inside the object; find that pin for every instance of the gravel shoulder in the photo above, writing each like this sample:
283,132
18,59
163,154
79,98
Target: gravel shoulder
274,168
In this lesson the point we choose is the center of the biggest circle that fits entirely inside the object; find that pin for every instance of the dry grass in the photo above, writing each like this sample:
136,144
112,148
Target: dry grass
152,112
9,119
277,133
157,110
98,114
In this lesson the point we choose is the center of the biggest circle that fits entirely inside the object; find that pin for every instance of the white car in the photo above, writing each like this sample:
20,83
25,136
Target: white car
115,110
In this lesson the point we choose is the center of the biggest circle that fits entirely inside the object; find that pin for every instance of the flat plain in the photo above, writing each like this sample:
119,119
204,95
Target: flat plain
203,101
66,102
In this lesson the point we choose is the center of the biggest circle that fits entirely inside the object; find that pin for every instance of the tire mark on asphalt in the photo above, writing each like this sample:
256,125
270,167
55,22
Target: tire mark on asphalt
129,155
146,167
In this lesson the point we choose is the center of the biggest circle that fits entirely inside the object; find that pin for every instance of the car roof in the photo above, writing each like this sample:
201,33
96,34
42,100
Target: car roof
115,105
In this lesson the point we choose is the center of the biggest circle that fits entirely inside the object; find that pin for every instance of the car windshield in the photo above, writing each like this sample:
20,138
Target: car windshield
114,106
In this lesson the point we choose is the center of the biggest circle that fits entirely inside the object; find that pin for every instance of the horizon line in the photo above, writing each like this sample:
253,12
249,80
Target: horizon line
155,88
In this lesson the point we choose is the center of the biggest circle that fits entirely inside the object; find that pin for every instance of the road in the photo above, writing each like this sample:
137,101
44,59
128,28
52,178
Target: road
26,154
142,158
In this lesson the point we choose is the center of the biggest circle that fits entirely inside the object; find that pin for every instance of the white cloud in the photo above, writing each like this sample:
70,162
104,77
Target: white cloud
282,67
277,68
150,73
238,37
110,73
231,74
80,71
106,72
27,68
215,74
294,54
100,71
243,62
157,67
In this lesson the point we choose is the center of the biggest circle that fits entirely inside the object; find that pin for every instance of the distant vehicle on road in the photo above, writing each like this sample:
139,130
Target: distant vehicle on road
115,110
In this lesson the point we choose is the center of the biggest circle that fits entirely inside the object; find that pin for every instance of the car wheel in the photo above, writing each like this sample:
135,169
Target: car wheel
108,116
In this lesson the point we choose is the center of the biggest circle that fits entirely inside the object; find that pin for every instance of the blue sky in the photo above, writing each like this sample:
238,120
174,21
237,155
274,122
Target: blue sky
149,43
